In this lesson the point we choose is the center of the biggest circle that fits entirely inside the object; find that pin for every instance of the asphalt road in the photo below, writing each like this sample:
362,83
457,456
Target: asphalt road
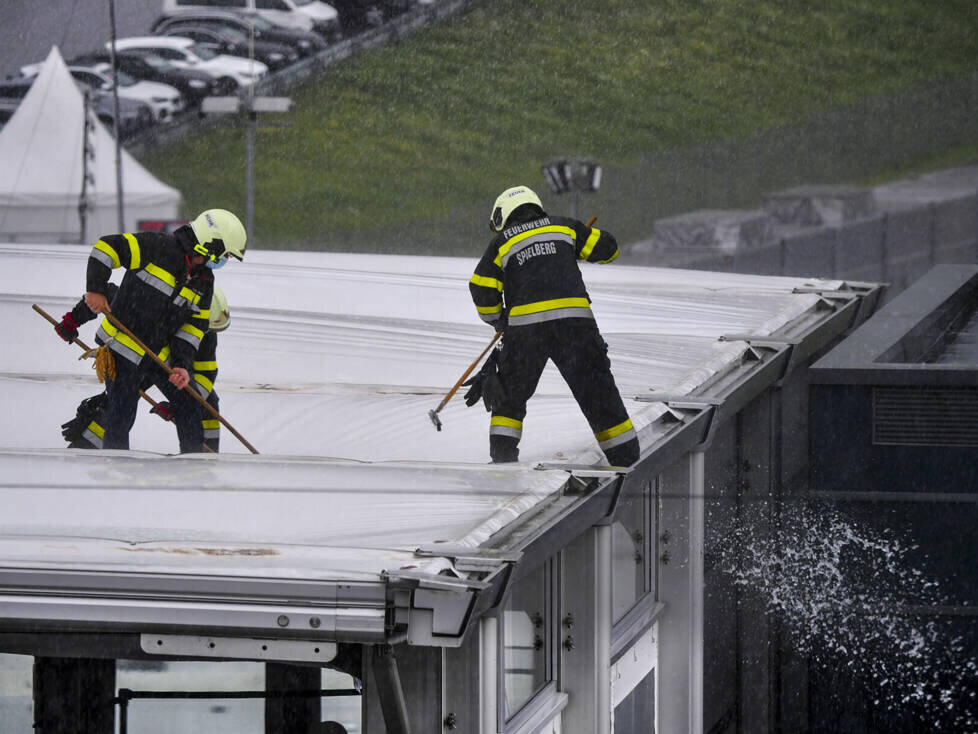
28,28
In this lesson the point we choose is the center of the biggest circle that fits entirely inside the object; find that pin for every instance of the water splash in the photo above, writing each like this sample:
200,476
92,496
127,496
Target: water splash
852,596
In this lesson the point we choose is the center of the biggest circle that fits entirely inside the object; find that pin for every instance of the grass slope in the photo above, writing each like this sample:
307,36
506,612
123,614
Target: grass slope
460,111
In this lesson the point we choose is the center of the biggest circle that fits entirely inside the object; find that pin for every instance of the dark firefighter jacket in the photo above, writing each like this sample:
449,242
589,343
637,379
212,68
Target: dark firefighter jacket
530,270
160,300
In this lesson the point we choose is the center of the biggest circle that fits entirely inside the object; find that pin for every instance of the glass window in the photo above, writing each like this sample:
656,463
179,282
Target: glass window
636,714
173,715
527,635
631,548
272,5
16,692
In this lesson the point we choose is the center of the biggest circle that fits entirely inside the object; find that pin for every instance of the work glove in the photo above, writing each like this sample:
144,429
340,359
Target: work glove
484,384
88,410
162,409
67,329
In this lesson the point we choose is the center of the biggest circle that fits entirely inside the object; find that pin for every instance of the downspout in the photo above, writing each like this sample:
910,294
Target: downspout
602,628
697,504
488,699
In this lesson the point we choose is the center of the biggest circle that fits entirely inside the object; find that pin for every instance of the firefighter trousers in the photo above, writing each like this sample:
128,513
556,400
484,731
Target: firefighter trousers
122,395
581,355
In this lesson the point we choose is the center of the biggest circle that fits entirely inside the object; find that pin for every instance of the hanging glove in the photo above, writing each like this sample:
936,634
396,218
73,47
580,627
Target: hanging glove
484,384
88,410
162,409
68,328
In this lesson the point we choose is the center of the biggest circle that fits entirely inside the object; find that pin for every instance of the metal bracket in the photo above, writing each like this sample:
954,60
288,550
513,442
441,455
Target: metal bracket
238,648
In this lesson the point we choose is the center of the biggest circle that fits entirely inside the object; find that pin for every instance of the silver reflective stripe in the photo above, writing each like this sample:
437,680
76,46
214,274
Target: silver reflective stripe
558,237
489,318
188,337
618,440
117,347
155,282
179,301
551,315
505,431
92,438
102,258
212,433
204,392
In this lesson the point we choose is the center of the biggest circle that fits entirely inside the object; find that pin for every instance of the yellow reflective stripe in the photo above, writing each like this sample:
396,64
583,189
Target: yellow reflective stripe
482,280
205,366
161,274
107,249
549,306
203,382
617,253
192,330
122,338
501,420
134,256
490,309
96,429
592,240
508,244
164,353
205,314
210,423
190,295
616,431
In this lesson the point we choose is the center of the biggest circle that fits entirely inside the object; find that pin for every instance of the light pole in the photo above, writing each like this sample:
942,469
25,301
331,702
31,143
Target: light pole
249,116
115,106
575,175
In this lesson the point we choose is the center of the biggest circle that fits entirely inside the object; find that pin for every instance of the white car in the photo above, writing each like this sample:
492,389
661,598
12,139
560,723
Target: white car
325,19
164,100
229,72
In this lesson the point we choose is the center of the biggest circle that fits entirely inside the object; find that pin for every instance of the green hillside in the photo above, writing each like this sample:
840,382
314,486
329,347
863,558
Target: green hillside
445,119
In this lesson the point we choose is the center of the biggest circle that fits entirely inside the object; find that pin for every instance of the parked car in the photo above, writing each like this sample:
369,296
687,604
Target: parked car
305,43
193,85
134,116
229,72
325,19
164,100
235,43
280,12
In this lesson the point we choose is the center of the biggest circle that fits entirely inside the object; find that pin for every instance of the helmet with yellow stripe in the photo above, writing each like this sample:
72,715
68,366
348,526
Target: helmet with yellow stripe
220,235
220,313
508,202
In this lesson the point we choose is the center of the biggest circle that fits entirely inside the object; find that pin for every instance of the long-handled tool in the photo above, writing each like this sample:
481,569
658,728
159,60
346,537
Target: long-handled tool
86,350
124,329
433,414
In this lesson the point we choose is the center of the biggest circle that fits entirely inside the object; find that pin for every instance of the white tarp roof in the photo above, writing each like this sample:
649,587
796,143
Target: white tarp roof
41,159
329,369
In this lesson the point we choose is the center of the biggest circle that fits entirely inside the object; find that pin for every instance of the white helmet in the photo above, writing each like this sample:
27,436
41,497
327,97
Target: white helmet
506,204
220,313
219,234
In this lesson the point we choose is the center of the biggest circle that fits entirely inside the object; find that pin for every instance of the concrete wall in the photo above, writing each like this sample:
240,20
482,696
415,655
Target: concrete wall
892,233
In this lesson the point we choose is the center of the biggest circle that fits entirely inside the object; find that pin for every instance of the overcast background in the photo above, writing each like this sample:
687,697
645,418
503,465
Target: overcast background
29,28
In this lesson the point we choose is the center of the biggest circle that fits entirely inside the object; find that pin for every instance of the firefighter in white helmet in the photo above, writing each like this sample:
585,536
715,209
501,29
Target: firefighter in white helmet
165,300
528,283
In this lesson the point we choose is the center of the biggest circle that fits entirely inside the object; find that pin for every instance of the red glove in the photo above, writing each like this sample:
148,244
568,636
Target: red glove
67,329
163,411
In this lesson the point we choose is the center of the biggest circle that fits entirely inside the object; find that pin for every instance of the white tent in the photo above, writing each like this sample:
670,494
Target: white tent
41,169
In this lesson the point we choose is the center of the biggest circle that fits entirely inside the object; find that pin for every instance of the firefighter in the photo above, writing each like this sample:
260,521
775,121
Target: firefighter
86,429
204,374
164,299
528,283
